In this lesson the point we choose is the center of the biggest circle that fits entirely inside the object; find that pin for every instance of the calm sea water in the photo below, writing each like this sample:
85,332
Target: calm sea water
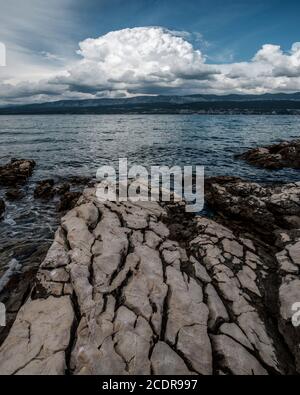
68,145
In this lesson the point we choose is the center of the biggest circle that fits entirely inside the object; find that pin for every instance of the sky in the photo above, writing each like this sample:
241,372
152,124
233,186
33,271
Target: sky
76,49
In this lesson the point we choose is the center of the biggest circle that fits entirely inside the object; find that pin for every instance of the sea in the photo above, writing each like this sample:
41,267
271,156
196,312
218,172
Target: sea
65,146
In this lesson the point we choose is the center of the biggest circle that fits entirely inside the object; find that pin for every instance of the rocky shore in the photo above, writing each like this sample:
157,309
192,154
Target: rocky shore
276,156
16,173
144,288
22,252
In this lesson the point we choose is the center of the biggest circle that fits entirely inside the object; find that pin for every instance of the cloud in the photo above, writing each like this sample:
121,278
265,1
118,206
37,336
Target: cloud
132,59
270,70
30,31
154,60
281,64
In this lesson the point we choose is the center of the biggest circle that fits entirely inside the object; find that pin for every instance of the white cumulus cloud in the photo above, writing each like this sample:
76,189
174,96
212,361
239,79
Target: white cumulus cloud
136,60
154,60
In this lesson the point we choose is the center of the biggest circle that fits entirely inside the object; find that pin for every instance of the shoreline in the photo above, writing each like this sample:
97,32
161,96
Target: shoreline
190,289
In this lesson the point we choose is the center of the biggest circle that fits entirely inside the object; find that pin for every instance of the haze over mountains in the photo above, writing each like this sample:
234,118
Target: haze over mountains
277,103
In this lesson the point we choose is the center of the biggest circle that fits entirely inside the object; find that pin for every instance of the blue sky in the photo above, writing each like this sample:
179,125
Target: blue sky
236,27
250,46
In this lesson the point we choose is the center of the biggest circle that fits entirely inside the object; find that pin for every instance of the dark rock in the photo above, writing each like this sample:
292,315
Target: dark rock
62,189
16,172
44,189
277,156
20,284
263,209
2,207
14,194
68,201
79,180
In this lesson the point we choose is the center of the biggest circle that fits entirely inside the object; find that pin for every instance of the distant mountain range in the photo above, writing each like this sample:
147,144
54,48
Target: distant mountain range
278,103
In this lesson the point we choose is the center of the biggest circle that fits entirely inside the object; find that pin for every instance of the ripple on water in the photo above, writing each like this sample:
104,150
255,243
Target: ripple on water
69,145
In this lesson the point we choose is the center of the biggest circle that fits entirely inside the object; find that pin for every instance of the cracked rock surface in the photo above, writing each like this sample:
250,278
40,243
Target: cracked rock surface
118,294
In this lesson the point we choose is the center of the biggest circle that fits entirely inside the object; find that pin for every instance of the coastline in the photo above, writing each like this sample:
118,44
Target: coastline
190,290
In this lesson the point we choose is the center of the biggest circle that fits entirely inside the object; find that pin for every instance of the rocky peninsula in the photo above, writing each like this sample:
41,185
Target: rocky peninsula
144,288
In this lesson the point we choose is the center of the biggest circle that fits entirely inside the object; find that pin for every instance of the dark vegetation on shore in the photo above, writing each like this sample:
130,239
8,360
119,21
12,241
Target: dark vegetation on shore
282,104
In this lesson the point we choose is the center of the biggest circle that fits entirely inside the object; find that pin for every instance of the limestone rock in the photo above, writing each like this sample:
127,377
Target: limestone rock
39,338
165,361
233,331
202,302
200,271
217,310
235,358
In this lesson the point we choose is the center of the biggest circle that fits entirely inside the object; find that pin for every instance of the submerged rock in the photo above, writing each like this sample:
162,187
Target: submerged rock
44,189
47,189
61,189
14,194
16,172
277,156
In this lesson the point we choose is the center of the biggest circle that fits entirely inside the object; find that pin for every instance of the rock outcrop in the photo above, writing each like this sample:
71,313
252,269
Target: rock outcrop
277,156
39,338
44,189
16,172
264,209
48,189
117,294
68,200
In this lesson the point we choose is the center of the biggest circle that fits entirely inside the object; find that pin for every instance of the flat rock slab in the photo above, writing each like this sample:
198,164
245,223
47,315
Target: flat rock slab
39,338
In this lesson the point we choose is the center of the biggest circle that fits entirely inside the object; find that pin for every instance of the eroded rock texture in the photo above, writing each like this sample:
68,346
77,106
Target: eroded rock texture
116,295
262,208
